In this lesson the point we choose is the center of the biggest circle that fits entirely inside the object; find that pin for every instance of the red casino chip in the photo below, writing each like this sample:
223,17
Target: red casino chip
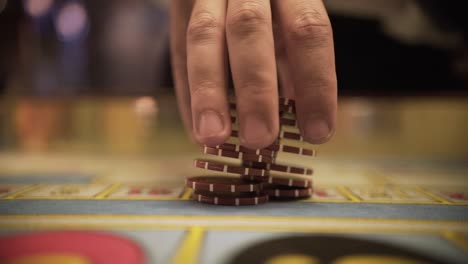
280,191
283,121
278,167
290,109
234,169
282,135
220,184
283,181
233,200
237,155
270,150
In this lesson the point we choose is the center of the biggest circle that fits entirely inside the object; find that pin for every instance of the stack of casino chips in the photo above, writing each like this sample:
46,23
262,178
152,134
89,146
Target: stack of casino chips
253,177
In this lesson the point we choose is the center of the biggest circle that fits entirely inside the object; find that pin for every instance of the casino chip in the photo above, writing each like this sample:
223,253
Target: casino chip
234,169
286,181
221,184
236,200
282,135
290,109
258,178
278,167
268,151
237,155
283,121
284,192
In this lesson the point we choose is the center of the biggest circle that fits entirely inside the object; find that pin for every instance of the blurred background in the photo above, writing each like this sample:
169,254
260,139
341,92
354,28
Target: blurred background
118,47
94,77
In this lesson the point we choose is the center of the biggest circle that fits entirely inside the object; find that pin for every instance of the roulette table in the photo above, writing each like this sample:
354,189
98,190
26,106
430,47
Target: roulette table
101,180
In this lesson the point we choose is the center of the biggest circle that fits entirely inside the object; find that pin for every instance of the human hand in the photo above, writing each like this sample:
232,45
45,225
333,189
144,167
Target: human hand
254,37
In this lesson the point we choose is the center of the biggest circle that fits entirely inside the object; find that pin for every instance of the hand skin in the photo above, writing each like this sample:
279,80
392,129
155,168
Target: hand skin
260,39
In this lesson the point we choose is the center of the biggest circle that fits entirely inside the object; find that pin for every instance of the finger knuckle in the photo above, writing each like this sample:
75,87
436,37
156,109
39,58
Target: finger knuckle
311,29
250,17
321,86
203,89
256,89
204,27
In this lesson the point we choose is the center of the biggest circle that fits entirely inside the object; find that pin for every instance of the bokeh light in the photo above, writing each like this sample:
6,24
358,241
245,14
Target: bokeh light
37,8
72,21
145,106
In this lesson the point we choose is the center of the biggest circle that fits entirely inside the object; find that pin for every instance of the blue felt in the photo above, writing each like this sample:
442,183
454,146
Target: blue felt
292,209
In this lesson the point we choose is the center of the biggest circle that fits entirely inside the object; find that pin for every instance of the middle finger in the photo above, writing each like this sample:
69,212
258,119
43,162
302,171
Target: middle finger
252,56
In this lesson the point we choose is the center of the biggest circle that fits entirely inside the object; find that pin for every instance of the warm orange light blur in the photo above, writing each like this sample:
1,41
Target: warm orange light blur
146,105
37,123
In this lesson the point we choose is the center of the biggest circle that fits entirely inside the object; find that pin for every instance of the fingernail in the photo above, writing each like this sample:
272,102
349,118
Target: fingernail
316,130
210,124
255,129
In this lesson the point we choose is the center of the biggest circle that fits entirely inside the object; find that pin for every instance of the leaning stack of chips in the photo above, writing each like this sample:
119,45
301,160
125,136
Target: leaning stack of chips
253,177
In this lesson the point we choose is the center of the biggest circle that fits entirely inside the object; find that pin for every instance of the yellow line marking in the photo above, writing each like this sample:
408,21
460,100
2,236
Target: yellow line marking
401,193
22,191
107,191
121,198
187,194
97,178
386,201
239,223
433,196
348,194
334,230
456,238
232,227
108,224
188,252
314,200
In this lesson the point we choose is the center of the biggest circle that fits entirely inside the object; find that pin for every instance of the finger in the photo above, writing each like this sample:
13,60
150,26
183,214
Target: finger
252,57
284,74
180,15
206,61
309,48
285,79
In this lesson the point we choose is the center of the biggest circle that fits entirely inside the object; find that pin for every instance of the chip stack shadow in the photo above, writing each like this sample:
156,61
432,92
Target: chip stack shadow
253,177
